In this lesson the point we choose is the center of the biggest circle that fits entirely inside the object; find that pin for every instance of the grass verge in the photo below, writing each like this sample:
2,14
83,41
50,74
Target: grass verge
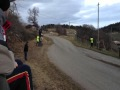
87,46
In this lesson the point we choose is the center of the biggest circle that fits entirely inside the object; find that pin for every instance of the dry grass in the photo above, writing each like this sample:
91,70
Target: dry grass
46,76
87,46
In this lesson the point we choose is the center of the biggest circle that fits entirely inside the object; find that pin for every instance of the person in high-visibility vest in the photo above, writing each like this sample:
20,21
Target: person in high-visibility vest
91,41
37,40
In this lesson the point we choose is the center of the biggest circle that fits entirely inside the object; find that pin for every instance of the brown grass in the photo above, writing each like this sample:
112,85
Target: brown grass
87,46
46,76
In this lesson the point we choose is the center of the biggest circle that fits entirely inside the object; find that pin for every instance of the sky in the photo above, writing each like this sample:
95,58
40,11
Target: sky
73,12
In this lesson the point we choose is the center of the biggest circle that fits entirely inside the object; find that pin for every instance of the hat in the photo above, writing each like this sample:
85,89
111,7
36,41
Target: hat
11,0
5,4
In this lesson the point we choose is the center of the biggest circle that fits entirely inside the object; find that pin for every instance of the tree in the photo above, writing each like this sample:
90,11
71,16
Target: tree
33,14
85,32
91,27
13,9
60,30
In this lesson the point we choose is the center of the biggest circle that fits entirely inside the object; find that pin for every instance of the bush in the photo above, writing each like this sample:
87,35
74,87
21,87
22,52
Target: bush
61,31
18,29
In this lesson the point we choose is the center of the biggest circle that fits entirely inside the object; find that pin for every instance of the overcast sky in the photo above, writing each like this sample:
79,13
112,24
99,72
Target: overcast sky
77,12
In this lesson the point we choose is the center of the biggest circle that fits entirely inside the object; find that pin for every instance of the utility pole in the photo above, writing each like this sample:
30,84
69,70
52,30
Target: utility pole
69,25
98,27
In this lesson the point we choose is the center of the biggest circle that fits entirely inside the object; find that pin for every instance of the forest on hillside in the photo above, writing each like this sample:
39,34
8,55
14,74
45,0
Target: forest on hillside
107,34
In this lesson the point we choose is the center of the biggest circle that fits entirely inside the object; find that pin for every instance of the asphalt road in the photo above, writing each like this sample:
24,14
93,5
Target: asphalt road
84,66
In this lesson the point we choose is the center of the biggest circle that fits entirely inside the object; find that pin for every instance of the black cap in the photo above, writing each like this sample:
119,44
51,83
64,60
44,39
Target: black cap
11,0
5,4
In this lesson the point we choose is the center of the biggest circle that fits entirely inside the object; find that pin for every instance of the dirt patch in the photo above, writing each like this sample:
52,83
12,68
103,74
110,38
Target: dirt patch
45,75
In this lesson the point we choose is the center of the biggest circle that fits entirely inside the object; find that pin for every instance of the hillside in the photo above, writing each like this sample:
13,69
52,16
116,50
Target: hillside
115,27
46,76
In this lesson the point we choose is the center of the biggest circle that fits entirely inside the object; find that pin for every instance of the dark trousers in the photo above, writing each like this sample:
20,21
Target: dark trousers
21,78
37,43
25,55
91,44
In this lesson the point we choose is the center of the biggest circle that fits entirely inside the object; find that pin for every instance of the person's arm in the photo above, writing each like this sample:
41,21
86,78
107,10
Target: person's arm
7,62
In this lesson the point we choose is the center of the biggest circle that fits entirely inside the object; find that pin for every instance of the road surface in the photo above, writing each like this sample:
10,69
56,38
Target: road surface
84,66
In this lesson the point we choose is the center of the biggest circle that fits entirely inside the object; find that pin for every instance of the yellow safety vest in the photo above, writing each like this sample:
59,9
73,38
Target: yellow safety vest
37,38
91,40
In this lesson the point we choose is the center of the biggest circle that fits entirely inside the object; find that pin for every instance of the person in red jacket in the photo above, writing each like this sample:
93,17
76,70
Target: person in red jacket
14,75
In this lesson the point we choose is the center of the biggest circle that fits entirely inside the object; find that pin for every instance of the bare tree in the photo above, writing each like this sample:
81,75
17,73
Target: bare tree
60,30
33,14
13,8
